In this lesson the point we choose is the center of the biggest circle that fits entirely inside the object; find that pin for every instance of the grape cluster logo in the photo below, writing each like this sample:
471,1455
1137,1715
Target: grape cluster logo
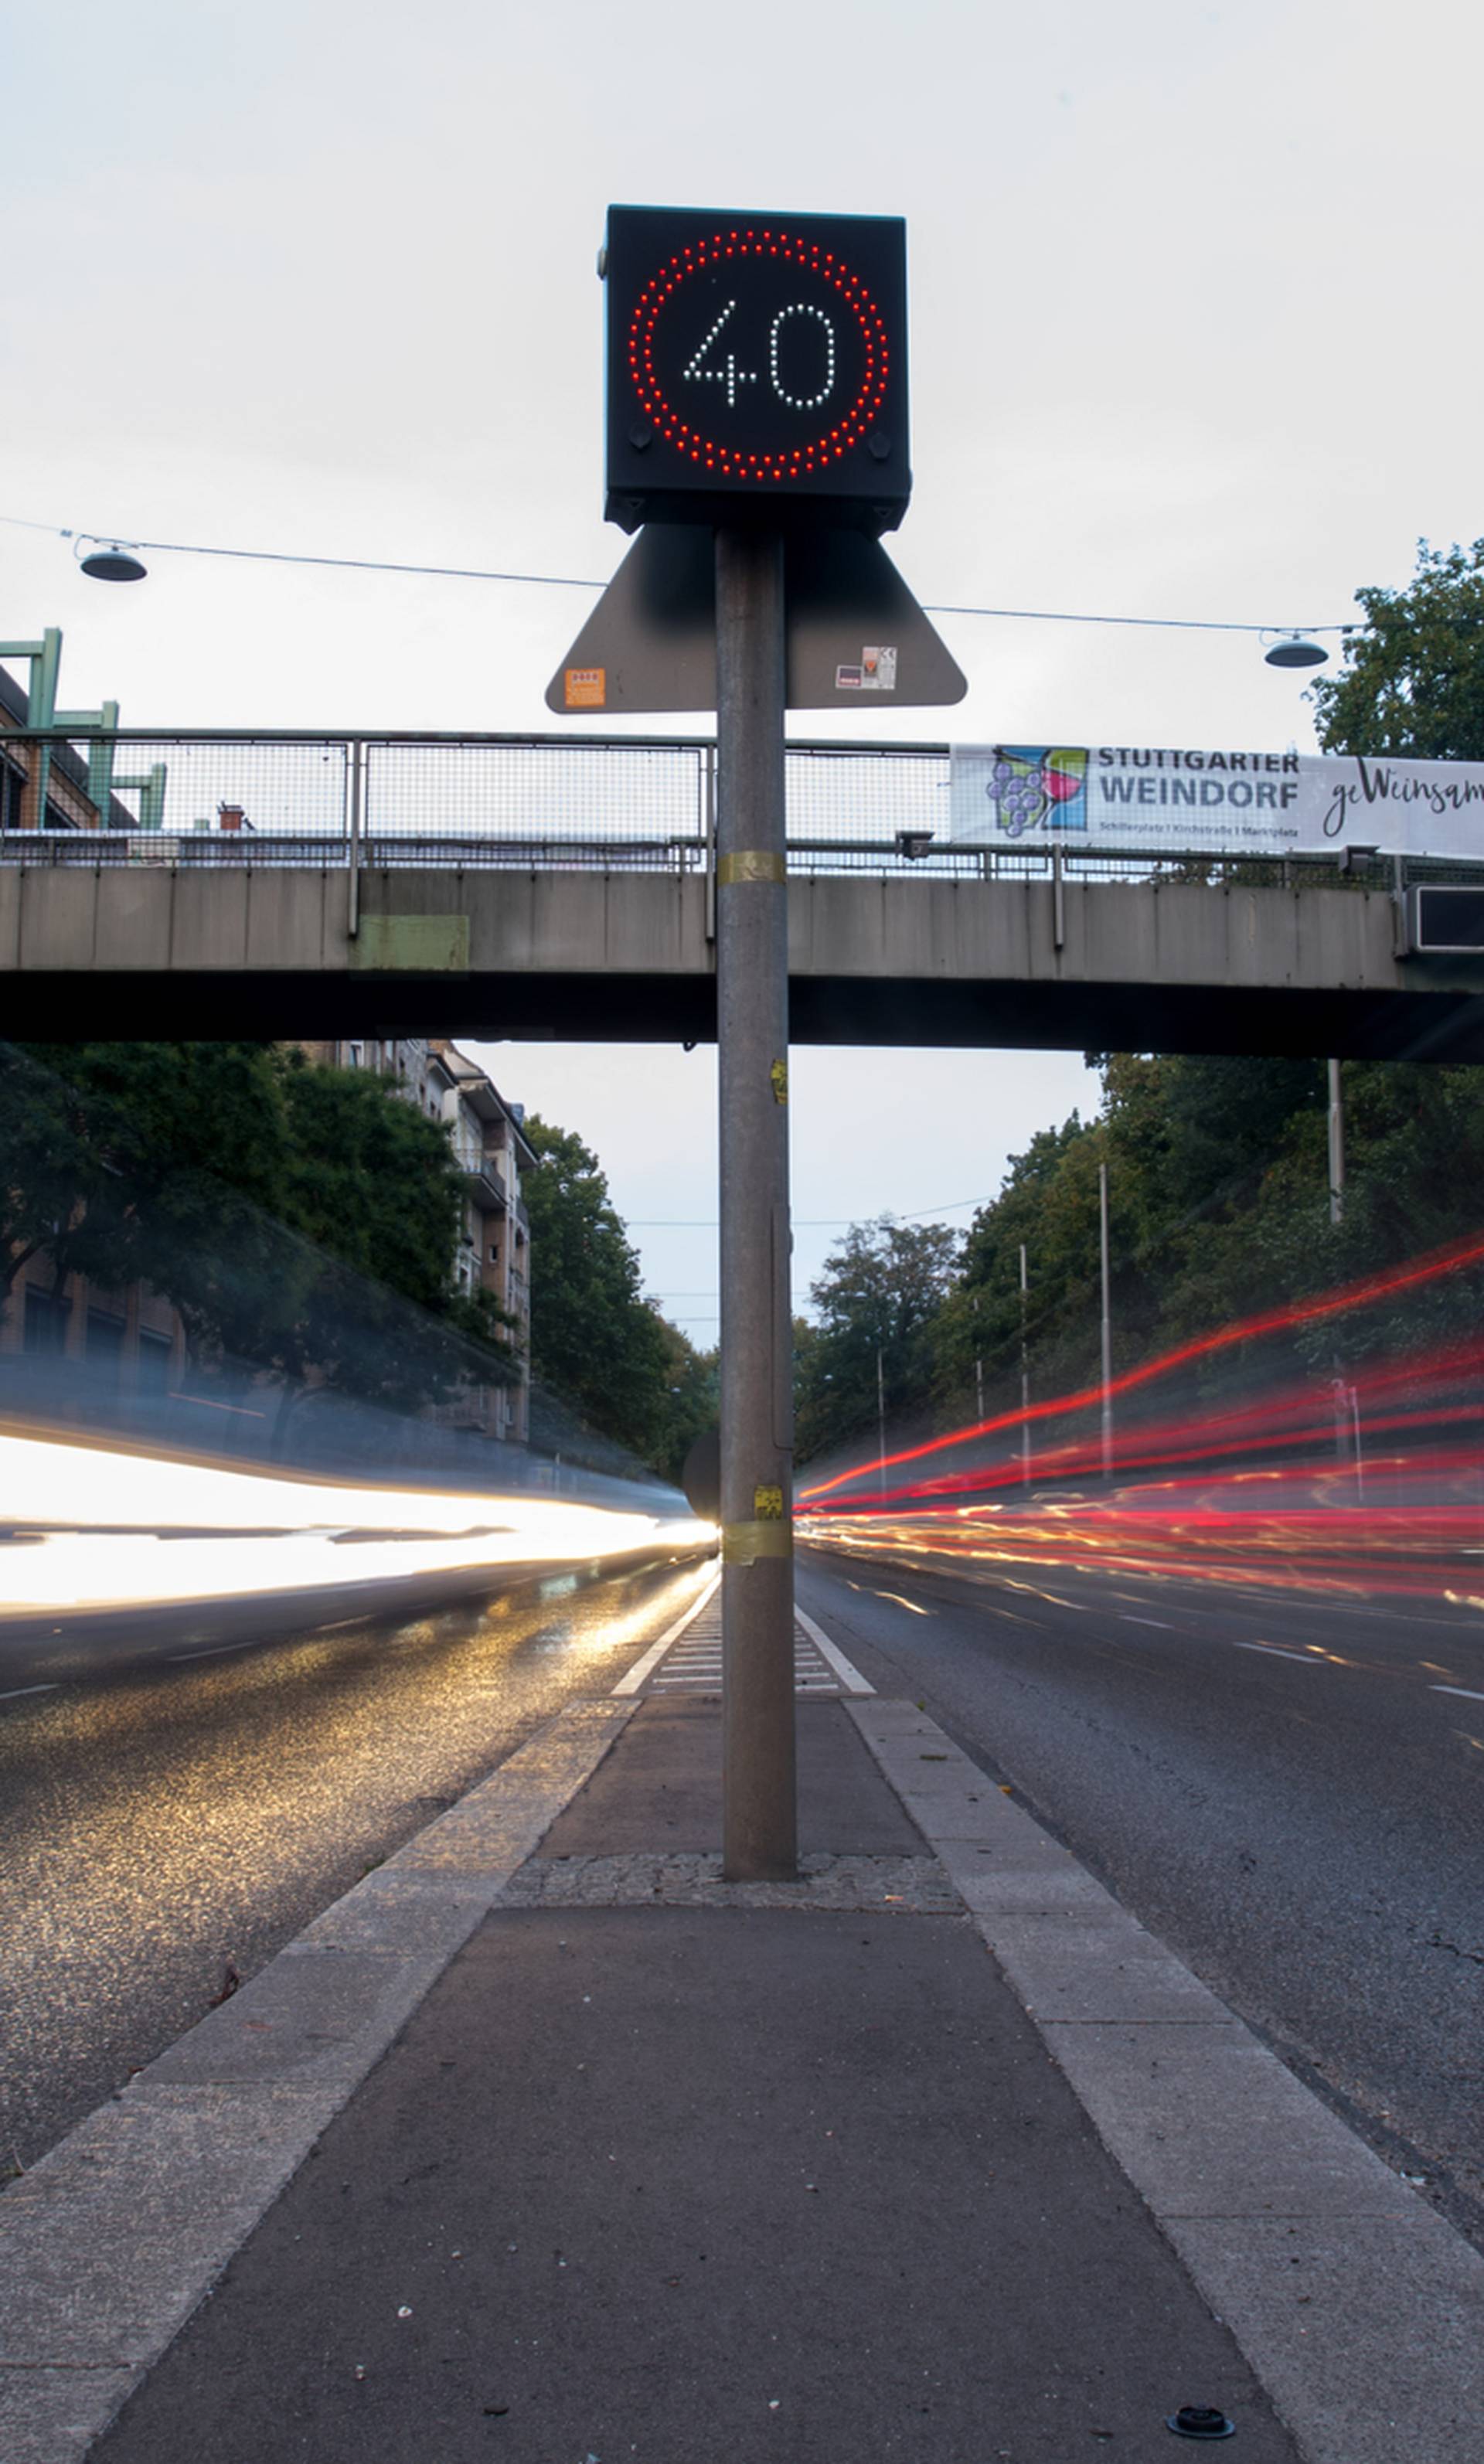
1038,787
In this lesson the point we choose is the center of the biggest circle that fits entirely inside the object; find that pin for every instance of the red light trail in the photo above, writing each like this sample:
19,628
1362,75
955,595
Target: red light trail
1362,1293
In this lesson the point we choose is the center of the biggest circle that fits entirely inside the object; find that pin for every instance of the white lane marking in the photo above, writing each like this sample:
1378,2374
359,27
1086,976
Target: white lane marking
1466,1691
178,1658
698,1664
904,1604
631,1683
1276,1651
28,1689
1125,1619
849,1676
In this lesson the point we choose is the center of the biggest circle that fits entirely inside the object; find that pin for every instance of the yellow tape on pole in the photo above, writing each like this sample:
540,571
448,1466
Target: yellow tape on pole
742,1544
751,864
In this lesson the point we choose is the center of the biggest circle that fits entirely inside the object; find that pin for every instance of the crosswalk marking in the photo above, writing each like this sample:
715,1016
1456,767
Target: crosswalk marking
687,1660
633,1678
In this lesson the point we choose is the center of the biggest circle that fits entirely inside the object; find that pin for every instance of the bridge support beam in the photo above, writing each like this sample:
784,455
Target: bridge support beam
760,1823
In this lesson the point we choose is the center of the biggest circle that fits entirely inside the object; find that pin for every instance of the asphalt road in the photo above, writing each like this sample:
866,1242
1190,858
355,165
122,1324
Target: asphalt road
156,1826
1274,1783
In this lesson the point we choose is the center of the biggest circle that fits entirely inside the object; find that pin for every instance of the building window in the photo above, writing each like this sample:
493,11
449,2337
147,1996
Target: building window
154,1362
12,781
46,1321
105,1335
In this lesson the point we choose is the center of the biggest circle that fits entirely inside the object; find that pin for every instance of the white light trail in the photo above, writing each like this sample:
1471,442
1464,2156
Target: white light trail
99,1517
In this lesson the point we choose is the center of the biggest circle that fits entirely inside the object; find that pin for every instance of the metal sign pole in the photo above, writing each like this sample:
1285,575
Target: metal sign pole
760,1823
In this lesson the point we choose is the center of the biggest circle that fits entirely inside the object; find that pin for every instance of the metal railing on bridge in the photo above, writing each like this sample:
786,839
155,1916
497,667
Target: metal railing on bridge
201,797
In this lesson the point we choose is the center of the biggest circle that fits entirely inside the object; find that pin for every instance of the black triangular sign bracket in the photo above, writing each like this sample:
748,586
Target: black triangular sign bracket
856,634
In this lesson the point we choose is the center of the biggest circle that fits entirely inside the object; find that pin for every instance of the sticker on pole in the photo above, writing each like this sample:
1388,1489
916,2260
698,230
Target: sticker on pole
768,1505
874,673
585,688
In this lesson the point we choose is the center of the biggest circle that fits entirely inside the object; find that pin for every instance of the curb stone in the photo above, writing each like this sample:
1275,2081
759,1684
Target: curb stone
1358,2307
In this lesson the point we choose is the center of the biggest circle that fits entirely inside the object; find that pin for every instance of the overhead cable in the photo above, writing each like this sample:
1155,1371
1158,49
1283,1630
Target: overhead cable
583,581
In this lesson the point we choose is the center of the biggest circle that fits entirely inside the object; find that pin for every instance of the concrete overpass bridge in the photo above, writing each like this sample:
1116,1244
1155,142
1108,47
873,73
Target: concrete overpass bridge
564,886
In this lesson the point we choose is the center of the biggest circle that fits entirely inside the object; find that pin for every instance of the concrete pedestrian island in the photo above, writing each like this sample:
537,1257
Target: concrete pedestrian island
547,2144
670,2168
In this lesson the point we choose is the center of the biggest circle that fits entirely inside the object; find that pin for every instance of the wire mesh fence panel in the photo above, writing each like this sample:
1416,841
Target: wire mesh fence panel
865,797
189,796
612,793
207,797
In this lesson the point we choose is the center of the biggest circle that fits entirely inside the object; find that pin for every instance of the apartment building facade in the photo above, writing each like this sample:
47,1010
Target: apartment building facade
132,1338
491,1150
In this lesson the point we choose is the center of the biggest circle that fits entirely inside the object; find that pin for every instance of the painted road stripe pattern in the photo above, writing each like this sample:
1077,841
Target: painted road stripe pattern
687,1660
633,1678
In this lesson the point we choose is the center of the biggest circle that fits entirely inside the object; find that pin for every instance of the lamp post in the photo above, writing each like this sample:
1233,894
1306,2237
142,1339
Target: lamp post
1107,1326
1345,1395
1024,1374
1337,1145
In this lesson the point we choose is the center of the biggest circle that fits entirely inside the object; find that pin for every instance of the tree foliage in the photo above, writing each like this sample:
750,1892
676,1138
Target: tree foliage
306,1221
1219,1208
303,1220
1413,678
594,1335
693,1399
878,1297
369,1180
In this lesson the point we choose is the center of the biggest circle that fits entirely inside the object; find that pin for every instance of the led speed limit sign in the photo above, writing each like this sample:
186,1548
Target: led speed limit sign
756,363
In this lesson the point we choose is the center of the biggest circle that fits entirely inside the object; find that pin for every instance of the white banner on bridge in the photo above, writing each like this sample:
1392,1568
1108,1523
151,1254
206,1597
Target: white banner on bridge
1105,797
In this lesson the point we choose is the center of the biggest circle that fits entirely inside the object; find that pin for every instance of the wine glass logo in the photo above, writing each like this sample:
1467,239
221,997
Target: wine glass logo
1038,787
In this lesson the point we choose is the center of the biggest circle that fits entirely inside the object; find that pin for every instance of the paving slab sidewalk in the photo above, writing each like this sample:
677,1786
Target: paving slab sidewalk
665,2168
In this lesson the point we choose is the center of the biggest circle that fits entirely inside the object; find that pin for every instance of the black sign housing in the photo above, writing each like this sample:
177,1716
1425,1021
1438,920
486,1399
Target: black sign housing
757,368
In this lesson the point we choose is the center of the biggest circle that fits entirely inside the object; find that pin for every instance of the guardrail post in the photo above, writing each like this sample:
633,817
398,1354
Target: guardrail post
1058,898
357,806
1400,921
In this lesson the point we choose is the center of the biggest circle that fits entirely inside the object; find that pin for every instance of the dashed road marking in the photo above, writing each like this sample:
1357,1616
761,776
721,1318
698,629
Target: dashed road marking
1466,1691
1276,1651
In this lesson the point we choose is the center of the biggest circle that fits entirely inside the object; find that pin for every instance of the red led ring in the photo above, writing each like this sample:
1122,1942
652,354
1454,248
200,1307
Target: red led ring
688,440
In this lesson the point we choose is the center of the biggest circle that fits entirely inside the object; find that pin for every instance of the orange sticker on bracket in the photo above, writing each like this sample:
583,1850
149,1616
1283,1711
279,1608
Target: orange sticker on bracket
585,688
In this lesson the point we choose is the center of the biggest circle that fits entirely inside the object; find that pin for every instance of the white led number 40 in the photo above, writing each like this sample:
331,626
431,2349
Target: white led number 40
728,374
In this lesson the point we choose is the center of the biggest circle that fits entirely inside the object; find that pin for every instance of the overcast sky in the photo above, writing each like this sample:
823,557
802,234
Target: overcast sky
1194,334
